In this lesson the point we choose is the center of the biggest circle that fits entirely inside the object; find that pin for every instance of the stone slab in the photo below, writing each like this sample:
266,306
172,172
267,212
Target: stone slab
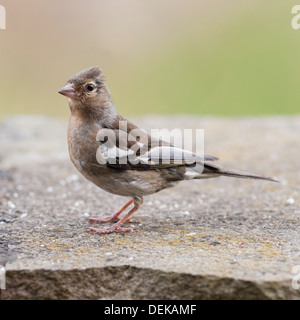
220,238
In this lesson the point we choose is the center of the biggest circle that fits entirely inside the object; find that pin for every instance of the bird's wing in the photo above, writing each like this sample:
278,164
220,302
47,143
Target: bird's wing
139,151
170,155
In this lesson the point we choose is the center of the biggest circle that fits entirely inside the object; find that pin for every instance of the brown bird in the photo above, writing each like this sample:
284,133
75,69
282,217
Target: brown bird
120,158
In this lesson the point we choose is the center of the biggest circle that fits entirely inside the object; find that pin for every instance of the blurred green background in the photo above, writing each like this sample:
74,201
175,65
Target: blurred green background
217,57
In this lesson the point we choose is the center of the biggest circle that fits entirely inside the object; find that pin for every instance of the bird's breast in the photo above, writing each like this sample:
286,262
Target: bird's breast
83,146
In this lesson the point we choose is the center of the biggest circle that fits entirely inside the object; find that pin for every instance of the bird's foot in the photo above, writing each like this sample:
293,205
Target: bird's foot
104,219
111,229
112,218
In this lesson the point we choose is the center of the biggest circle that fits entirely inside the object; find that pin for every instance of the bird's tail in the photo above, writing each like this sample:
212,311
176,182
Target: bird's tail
244,175
211,170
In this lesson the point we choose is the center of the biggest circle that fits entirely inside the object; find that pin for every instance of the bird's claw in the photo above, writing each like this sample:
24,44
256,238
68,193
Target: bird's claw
111,229
108,219
104,219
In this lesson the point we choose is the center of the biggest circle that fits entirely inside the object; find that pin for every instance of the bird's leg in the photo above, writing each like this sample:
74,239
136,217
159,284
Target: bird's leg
138,201
113,217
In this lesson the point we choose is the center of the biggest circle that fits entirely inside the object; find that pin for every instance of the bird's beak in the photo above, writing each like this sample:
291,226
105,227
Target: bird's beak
68,91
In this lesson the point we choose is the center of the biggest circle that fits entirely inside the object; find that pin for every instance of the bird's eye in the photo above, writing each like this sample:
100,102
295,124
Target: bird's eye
90,87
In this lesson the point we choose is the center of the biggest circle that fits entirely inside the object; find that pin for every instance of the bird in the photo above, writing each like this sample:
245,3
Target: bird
119,157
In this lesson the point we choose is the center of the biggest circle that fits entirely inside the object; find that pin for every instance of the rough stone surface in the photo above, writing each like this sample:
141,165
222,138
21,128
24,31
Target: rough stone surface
221,238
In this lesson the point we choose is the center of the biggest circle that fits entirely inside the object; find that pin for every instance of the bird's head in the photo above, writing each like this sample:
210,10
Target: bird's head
87,91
